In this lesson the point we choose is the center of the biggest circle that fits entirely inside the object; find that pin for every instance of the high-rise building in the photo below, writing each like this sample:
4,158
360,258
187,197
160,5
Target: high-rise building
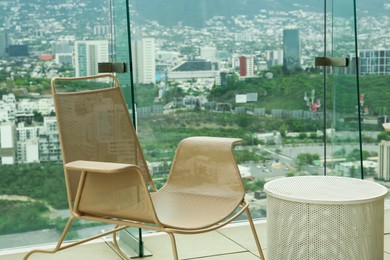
144,60
384,161
19,50
291,49
3,43
374,62
247,66
274,57
87,55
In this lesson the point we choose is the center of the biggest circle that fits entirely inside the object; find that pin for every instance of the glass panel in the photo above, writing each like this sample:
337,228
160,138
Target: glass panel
230,71
374,81
122,53
342,93
37,42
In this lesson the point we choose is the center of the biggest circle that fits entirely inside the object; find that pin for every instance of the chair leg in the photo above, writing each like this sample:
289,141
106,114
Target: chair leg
174,248
118,248
59,243
248,213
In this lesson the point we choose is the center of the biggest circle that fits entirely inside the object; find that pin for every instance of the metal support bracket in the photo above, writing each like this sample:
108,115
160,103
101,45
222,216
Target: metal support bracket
130,246
111,67
331,61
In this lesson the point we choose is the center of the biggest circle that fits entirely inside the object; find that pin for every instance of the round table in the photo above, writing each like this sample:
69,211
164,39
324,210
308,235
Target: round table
324,217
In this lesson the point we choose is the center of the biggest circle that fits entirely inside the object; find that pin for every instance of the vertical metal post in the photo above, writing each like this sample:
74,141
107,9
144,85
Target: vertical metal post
325,78
358,91
133,106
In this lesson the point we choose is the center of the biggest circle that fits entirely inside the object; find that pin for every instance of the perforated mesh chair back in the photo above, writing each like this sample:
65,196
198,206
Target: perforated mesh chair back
95,125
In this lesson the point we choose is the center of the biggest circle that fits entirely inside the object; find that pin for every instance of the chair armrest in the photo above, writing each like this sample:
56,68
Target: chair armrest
100,167
115,190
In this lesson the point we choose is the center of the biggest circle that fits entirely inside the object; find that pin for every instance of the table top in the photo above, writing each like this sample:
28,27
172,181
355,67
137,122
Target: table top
325,190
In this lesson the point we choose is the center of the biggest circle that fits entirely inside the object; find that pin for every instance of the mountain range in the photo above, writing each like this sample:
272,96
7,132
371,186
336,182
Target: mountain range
196,12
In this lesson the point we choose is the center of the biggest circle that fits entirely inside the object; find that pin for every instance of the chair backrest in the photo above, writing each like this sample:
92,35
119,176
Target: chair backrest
95,125
207,166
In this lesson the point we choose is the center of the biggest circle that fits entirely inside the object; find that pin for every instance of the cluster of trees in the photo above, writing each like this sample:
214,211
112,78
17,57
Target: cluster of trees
254,185
306,159
42,186
20,216
23,216
43,182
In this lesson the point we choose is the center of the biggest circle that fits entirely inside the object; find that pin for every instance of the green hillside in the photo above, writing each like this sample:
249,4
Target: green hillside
286,91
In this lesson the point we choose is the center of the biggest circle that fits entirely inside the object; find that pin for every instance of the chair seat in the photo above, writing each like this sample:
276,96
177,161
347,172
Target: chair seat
184,209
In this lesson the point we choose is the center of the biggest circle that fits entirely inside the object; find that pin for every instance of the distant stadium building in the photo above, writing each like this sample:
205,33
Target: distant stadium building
194,69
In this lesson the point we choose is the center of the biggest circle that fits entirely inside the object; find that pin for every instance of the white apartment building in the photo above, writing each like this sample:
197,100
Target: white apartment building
7,111
7,108
9,98
87,55
144,60
45,106
26,144
49,142
27,149
25,106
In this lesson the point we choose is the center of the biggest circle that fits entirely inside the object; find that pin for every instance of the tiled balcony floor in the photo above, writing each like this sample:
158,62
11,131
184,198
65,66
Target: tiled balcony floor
230,243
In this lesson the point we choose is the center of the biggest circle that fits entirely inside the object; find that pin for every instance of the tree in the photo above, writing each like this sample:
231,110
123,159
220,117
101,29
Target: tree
283,130
306,159
354,155
383,136
37,116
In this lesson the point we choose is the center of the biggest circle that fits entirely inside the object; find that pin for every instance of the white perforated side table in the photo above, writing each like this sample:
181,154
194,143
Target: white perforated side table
324,217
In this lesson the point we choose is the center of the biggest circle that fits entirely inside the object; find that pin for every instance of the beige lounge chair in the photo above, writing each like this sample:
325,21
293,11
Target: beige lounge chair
108,180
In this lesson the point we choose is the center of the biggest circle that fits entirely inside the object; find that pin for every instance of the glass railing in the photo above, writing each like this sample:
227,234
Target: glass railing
251,74
240,74
243,69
